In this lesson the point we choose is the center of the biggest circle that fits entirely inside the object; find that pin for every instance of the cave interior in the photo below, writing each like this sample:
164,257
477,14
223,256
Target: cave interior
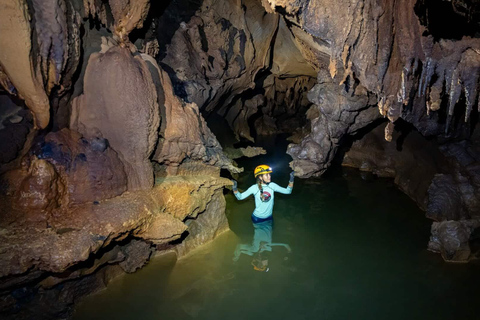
111,108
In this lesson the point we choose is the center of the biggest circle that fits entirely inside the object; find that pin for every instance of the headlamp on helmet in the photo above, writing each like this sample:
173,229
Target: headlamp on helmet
262,169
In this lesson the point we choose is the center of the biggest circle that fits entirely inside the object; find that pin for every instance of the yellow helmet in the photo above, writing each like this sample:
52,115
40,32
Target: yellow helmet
262,169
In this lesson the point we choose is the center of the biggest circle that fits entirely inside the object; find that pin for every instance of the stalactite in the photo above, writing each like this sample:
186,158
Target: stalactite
415,66
433,104
382,106
409,76
470,76
51,31
429,73
454,92
403,93
394,110
448,80
468,103
421,80
389,131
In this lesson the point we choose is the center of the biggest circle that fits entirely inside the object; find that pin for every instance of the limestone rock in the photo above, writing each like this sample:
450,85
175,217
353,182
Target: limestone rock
128,15
90,169
206,227
16,62
137,254
62,170
410,159
451,239
184,134
76,235
249,152
403,70
339,113
120,104
216,51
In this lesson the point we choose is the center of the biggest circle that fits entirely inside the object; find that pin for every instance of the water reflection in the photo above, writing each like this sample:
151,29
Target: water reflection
261,246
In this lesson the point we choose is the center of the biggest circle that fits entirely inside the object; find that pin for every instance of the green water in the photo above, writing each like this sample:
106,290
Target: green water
358,251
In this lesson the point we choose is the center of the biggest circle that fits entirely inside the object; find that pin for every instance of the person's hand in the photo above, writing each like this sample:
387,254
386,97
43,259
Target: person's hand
292,176
234,188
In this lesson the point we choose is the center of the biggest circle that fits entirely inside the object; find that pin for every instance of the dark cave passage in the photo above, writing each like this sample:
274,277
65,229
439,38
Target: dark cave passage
440,16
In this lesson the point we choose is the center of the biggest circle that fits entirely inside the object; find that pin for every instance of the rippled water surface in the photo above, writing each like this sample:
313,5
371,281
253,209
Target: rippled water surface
343,248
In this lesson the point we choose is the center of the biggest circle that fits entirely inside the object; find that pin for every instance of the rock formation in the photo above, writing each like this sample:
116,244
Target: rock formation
396,58
79,192
102,121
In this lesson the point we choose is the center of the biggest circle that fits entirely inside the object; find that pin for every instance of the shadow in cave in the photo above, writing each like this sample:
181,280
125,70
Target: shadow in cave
456,127
405,128
347,141
440,16
172,14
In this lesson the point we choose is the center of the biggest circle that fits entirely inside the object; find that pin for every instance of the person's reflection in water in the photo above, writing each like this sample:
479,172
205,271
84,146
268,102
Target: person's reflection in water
260,247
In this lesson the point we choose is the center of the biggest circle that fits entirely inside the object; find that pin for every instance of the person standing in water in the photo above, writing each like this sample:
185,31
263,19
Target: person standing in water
263,192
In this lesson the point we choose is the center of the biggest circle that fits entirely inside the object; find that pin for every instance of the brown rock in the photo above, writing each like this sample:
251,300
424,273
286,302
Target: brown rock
137,254
120,104
128,15
90,169
74,235
16,62
41,189
410,159
184,134
206,227
451,239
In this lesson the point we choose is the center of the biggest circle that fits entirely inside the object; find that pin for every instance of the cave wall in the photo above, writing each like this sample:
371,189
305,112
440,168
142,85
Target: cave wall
98,147
236,59
395,60
382,50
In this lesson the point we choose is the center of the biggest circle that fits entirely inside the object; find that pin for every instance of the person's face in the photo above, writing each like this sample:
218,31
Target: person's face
266,178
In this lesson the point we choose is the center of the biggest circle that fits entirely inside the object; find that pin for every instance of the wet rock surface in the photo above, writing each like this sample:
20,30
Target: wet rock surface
409,159
118,89
442,179
122,230
185,134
